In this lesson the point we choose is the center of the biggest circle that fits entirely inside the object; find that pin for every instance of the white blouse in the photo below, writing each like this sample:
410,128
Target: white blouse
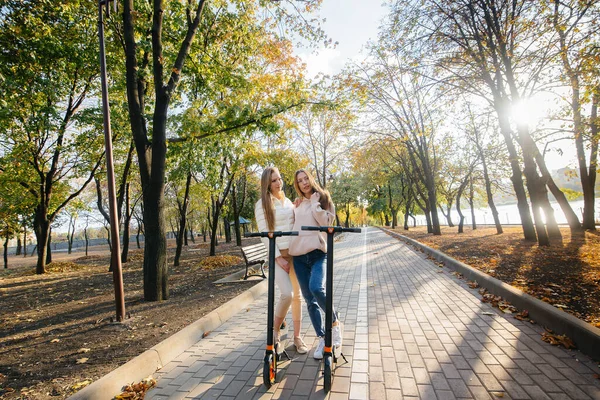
284,220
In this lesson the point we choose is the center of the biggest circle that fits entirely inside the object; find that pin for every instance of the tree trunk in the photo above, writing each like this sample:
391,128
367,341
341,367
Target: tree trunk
85,234
461,217
227,227
536,188
236,216
448,215
578,131
182,218
394,217
216,210
19,246
155,244
6,248
472,204
459,194
126,228
434,221
71,234
406,215
347,212
24,239
589,201
49,246
137,237
488,190
529,231
192,233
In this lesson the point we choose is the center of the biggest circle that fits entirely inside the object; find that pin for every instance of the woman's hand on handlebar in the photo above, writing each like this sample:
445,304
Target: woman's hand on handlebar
283,264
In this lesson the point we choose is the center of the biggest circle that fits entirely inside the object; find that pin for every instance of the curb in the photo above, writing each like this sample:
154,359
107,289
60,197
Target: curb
159,355
584,335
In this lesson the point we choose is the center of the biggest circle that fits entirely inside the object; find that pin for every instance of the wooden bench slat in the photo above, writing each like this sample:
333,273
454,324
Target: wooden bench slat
253,255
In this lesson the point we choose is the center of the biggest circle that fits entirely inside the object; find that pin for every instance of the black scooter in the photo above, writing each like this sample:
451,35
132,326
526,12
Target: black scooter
329,356
270,361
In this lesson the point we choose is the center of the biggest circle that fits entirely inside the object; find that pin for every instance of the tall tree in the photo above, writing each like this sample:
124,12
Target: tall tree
158,38
402,105
576,25
48,67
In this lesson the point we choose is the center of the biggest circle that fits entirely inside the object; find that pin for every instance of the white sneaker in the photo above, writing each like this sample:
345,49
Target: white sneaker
318,354
336,334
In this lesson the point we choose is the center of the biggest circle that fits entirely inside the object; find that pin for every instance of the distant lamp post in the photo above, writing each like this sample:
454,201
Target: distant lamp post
112,198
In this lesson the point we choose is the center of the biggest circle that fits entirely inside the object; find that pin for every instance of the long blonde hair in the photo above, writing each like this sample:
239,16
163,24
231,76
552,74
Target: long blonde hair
265,196
325,197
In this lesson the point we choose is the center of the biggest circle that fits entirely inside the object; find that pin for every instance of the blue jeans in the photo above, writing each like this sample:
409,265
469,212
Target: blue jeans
311,269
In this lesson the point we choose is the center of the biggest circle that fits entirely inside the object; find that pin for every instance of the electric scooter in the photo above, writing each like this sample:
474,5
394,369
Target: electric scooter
271,353
329,355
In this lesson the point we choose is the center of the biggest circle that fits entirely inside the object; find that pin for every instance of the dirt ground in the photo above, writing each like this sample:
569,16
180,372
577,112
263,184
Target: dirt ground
56,334
565,274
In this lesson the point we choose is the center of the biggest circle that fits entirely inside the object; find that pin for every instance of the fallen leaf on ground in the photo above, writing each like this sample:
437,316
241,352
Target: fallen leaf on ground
220,261
473,284
522,316
82,360
55,341
81,385
83,350
558,340
137,391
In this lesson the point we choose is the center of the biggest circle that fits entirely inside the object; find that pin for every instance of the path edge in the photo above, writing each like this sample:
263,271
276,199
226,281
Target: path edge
153,359
584,335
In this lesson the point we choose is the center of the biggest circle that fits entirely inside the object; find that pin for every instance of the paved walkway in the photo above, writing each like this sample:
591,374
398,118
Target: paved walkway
412,330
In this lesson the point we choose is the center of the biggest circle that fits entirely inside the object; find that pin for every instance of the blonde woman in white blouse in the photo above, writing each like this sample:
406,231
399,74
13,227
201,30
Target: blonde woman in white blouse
275,212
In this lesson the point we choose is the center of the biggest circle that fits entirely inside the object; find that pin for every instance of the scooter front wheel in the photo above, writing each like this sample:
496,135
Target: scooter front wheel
269,370
327,373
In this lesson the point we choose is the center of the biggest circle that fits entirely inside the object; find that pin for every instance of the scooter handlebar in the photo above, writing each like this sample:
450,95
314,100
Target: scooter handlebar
331,229
273,234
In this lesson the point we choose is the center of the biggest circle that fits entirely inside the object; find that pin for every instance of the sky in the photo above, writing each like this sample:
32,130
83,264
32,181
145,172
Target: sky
351,23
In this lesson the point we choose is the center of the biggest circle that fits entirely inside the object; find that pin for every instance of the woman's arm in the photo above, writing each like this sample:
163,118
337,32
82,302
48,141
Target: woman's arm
261,221
323,217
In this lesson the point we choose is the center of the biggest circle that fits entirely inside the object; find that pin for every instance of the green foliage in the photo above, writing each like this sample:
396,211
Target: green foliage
572,194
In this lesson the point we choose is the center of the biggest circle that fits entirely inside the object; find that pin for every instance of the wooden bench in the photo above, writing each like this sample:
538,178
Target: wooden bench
253,255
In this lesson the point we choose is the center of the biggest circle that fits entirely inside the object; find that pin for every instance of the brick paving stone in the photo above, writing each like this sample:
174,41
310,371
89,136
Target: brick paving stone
426,392
377,391
459,388
359,391
479,392
571,389
536,392
520,376
391,380
410,332
515,390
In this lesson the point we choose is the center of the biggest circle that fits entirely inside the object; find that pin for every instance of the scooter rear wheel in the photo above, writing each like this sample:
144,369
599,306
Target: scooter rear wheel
327,373
269,370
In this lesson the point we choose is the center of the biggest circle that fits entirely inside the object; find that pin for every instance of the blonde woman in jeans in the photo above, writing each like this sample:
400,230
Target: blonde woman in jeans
309,249
275,212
